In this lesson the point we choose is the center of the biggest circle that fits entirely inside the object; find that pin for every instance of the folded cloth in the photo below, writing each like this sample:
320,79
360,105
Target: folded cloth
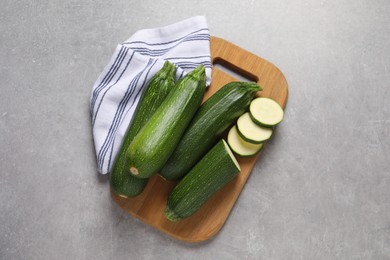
117,90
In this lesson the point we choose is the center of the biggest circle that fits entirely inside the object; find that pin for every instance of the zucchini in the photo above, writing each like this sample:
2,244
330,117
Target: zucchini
122,182
212,172
266,112
240,146
215,116
252,132
156,141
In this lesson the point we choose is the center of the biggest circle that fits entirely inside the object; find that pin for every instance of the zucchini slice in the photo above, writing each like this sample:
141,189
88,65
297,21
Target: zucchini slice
266,112
240,146
252,132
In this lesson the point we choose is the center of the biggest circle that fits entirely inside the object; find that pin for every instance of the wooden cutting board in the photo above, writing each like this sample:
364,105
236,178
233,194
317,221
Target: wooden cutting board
150,204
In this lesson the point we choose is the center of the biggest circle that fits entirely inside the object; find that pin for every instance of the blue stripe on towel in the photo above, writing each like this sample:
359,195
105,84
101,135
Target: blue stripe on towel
110,74
104,94
193,65
106,78
189,57
162,51
167,42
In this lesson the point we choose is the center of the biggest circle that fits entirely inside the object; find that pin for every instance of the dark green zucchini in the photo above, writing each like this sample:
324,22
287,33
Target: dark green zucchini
214,117
156,141
212,172
122,182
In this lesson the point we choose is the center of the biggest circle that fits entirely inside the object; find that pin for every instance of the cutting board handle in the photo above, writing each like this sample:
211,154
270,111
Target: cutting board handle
250,66
225,56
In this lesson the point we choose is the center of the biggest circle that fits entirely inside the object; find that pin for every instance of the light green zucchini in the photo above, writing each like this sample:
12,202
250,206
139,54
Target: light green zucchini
122,182
156,141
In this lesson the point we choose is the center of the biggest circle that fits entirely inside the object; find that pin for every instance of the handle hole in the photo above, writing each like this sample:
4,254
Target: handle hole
234,71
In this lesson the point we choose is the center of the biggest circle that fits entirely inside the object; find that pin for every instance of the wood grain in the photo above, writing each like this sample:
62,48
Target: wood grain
205,223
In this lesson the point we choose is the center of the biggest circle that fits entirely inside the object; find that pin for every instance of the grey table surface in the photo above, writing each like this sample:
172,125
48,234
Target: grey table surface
321,190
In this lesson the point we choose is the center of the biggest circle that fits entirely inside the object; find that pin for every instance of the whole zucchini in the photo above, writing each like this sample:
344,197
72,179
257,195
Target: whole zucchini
214,117
216,169
122,182
156,141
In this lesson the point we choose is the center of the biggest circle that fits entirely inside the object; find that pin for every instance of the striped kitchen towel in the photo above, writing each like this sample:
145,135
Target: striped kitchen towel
117,90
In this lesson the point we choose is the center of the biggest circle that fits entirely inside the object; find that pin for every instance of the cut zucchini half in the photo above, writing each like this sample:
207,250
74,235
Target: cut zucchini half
266,112
229,151
252,132
240,146
211,173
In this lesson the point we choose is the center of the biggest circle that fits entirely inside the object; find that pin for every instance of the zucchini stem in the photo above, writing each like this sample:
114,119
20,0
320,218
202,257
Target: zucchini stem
171,215
134,170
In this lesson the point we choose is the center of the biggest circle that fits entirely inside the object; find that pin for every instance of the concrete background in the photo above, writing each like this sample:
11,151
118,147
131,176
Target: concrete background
320,191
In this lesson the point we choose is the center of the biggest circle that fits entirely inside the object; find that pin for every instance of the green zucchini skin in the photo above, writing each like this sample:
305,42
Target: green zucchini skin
211,173
122,182
215,116
156,141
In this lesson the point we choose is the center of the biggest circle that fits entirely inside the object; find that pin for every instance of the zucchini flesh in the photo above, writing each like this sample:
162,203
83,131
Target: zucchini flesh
122,182
252,132
156,141
212,172
241,147
266,112
215,116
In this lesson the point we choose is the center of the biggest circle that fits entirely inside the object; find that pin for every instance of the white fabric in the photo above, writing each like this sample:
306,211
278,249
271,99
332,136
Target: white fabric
116,92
